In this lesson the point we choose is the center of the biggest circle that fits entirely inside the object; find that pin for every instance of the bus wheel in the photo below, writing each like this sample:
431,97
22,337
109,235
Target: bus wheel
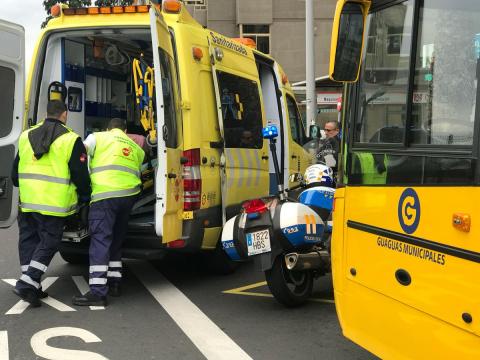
290,288
74,258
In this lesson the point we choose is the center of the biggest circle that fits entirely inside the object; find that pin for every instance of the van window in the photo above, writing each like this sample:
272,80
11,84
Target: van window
241,111
296,127
7,84
171,110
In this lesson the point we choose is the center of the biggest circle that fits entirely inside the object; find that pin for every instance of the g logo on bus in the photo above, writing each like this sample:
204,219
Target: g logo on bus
409,210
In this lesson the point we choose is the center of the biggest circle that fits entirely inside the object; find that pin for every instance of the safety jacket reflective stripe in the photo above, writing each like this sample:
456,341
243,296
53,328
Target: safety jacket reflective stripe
44,178
115,166
370,174
44,184
46,209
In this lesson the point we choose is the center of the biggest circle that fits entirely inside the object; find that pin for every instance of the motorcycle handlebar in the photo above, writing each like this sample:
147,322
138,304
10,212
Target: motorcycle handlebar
295,187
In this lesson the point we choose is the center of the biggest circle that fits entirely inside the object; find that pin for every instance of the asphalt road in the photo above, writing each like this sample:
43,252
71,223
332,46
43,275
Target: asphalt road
171,309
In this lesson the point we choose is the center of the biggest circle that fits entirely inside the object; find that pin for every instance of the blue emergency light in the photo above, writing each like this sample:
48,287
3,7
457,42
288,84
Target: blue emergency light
270,132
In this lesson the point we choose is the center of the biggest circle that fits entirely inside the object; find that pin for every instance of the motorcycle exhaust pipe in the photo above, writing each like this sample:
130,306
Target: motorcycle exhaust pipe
309,261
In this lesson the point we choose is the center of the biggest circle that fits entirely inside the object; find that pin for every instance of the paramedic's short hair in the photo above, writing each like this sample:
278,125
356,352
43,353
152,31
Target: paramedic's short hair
117,123
55,108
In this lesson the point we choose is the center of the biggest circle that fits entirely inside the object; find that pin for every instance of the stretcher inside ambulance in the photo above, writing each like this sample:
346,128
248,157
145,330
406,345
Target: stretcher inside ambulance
107,74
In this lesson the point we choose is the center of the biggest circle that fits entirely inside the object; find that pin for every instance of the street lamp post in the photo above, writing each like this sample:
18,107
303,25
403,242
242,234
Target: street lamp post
311,96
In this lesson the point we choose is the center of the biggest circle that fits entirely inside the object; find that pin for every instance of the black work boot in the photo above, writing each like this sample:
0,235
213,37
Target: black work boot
89,299
41,294
28,295
114,289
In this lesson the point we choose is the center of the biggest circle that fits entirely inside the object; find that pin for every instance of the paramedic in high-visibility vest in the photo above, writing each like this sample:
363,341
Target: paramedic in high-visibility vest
115,166
51,172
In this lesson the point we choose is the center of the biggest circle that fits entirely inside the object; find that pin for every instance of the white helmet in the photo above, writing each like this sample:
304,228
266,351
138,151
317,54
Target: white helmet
319,174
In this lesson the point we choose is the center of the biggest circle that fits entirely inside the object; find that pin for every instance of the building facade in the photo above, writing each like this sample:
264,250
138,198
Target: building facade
277,26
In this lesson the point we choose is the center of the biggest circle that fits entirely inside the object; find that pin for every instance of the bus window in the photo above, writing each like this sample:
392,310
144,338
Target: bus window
384,76
441,110
445,84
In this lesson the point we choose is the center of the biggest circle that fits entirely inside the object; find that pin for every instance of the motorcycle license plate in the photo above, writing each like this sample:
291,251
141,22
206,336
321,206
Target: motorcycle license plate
258,242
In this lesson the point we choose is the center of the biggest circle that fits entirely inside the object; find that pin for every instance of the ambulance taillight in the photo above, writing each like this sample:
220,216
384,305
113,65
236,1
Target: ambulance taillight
192,181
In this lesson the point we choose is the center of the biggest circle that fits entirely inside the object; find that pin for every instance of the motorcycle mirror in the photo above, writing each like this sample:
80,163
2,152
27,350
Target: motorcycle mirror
315,132
270,132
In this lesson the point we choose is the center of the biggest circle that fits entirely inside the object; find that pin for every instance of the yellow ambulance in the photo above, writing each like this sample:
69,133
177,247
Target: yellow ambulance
203,99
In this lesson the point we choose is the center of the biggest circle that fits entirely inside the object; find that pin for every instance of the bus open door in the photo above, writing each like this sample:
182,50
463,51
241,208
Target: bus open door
12,58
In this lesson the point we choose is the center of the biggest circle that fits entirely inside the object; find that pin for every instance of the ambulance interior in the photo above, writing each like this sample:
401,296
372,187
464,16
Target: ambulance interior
96,68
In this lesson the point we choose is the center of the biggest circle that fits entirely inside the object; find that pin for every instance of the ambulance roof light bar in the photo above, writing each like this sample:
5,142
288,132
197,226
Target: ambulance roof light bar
57,10
246,41
172,6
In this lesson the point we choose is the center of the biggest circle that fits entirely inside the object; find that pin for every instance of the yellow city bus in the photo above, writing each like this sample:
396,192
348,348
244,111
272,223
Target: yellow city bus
406,242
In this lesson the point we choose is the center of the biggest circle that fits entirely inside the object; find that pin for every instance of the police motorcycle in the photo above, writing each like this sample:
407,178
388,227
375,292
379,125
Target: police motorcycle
289,238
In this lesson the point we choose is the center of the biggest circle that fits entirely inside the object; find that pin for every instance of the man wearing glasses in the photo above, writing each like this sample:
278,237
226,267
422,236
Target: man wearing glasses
331,146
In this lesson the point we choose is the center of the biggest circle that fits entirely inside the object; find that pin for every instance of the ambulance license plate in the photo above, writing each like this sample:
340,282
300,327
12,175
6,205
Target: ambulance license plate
258,242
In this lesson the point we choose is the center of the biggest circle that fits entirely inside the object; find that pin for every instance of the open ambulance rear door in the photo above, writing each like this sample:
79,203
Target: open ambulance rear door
244,160
12,78
169,184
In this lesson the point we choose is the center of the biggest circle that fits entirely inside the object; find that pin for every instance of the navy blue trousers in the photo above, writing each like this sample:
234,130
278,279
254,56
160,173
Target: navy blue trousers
39,238
108,222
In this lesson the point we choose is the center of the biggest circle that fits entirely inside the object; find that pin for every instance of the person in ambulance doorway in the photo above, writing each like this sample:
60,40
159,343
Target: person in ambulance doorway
115,166
51,172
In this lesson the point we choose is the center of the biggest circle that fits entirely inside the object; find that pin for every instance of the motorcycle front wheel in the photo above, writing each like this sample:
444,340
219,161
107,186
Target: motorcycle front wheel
290,288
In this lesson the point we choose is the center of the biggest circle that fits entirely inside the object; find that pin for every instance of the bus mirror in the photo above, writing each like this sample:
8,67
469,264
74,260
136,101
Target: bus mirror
347,39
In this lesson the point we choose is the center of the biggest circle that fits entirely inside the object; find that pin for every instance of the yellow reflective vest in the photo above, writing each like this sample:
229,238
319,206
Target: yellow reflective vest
370,174
44,184
115,165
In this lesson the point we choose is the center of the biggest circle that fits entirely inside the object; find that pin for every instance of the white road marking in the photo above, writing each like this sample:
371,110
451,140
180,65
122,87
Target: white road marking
57,304
41,348
20,306
84,288
212,342
4,355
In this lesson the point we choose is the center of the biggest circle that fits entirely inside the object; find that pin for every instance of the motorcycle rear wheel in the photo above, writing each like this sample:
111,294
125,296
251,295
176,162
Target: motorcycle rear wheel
290,288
